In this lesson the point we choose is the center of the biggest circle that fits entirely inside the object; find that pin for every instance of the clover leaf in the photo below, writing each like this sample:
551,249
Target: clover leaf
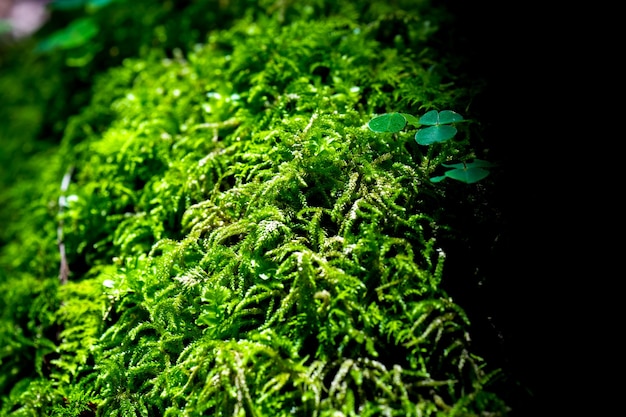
433,117
387,123
467,172
439,130
434,134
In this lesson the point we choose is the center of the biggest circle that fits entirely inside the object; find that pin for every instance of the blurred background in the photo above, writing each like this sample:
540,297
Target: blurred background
21,18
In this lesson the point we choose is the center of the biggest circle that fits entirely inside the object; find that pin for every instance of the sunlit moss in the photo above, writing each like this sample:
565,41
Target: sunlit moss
240,243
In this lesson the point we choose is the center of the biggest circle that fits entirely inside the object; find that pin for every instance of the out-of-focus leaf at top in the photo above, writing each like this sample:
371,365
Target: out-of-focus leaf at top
76,34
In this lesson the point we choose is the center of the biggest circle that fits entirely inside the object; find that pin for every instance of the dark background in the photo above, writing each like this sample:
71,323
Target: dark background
510,45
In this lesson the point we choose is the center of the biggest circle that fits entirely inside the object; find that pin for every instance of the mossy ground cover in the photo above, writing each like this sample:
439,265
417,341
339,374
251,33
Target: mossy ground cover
237,241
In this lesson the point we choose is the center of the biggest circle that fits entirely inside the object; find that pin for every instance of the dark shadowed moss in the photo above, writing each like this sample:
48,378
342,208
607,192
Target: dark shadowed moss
239,243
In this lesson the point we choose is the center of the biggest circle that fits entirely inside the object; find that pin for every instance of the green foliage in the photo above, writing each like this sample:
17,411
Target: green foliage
76,34
76,4
469,172
389,122
239,243
439,131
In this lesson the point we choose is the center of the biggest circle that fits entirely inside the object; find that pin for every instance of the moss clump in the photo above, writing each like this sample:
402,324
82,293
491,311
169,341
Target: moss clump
239,242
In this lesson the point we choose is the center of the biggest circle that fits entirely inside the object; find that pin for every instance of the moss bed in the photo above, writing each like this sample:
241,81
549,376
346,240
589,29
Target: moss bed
196,219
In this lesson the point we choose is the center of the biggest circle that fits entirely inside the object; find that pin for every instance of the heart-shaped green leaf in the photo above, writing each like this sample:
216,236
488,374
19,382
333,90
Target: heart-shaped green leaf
448,116
469,175
434,134
477,163
438,179
435,118
430,118
388,122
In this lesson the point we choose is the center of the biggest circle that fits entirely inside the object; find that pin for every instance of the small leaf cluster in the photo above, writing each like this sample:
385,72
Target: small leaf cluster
440,129
240,243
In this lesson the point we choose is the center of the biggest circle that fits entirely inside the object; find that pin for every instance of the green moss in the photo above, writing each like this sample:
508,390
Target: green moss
240,243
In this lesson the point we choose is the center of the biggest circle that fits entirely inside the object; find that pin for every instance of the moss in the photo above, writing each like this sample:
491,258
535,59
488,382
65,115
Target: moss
239,243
